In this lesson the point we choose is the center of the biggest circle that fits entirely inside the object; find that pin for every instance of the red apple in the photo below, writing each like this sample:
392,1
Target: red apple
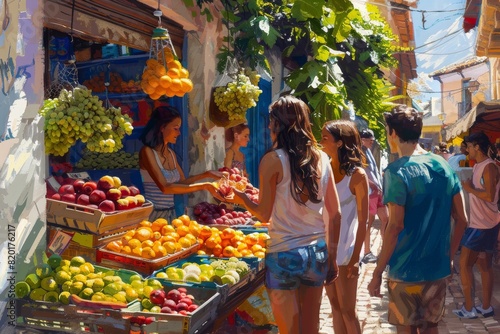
192,307
113,194
66,189
181,307
93,206
83,199
97,196
174,294
186,300
116,181
157,296
105,183
122,204
134,190
56,196
166,309
70,198
89,187
170,304
107,206
125,191
78,185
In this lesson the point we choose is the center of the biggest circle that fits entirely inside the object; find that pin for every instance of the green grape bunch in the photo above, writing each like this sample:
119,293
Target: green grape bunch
79,115
238,96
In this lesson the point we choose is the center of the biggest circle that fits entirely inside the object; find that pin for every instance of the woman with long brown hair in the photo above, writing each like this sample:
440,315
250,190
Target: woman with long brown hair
297,191
341,141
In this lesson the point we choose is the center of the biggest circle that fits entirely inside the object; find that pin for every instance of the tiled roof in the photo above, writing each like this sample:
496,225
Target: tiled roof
469,62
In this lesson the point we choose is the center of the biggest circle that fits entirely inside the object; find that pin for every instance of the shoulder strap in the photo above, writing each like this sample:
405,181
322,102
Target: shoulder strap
157,159
173,158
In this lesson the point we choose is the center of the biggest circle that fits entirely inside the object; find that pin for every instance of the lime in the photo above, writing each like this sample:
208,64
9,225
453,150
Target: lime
76,287
54,261
131,294
77,261
33,281
51,296
161,274
121,297
155,309
61,277
155,283
86,293
43,270
37,294
98,297
22,289
66,285
147,290
64,297
134,278
49,284
146,303
80,278
98,285
111,289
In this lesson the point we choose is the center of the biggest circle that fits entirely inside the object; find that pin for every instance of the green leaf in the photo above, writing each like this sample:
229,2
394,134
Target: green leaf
265,31
288,51
305,9
325,52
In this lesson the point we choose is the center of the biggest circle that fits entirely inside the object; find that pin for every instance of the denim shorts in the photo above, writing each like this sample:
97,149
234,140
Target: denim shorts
480,240
306,265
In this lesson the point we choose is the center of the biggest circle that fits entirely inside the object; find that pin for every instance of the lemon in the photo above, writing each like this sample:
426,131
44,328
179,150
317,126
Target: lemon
37,294
77,261
76,288
33,281
131,294
64,297
22,289
49,284
146,303
51,296
61,277
43,270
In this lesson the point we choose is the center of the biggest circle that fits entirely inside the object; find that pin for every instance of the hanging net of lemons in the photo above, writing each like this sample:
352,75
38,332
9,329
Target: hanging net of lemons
164,74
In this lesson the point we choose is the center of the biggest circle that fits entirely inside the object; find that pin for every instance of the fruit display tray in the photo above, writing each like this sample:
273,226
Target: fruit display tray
143,266
95,221
57,317
225,290
198,321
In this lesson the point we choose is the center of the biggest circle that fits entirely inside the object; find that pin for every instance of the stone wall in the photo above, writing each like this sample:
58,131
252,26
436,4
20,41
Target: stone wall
22,158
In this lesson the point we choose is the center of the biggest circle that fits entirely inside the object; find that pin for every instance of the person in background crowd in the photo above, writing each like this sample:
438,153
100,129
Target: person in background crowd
297,193
454,160
161,174
497,147
375,184
443,151
436,150
238,136
422,193
340,140
479,240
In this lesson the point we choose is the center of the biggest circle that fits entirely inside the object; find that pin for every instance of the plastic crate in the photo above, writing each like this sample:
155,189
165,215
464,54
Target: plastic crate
225,290
88,220
144,266
196,322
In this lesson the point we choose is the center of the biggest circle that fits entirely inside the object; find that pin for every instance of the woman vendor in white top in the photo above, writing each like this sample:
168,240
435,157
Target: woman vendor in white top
297,196
161,174
341,141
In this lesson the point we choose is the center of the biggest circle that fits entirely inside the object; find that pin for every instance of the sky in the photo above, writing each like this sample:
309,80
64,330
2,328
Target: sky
439,38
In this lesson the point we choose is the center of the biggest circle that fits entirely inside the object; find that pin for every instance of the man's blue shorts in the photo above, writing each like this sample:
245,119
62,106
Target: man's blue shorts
480,240
306,265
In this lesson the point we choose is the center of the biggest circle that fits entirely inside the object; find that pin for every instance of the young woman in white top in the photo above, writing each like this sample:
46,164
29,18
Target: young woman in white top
341,141
297,196
161,174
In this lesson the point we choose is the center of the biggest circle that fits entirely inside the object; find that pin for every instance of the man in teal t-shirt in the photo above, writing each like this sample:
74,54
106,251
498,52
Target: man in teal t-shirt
422,193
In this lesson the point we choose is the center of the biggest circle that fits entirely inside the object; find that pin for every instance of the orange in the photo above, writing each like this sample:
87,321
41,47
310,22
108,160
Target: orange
169,92
147,243
174,73
175,235
246,252
201,252
167,229
228,233
165,81
211,242
194,230
133,243
154,96
251,239
174,64
256,248
225,242
169,247
241,246
125,239
148,89
151,62
145,223
160,250
143,234
159,90
153,81
156,235
137,251
217,250
184,242
166,238
191,238
228,251
205,232
176,85
263,237
237,253
200,241
177,222
178,247
185,219
148,253
186,85
114,246
130,233
158,224
182,230
126,250
160,71
183,73
260,255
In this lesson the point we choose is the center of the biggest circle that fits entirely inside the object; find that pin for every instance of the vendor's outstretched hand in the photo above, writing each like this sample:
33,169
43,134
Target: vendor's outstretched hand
237,198
212,188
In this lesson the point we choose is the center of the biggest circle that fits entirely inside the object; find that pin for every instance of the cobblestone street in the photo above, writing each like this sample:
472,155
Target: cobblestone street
372,312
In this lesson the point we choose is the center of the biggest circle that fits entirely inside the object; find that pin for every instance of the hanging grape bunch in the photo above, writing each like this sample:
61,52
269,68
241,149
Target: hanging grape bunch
239,95
172,80
79,115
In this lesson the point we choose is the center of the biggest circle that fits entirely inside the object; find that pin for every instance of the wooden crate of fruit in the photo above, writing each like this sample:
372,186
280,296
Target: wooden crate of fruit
174,318
228,276
140,264
91,220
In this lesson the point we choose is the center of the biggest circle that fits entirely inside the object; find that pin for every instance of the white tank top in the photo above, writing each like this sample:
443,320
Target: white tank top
294,225
483,215
349,222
